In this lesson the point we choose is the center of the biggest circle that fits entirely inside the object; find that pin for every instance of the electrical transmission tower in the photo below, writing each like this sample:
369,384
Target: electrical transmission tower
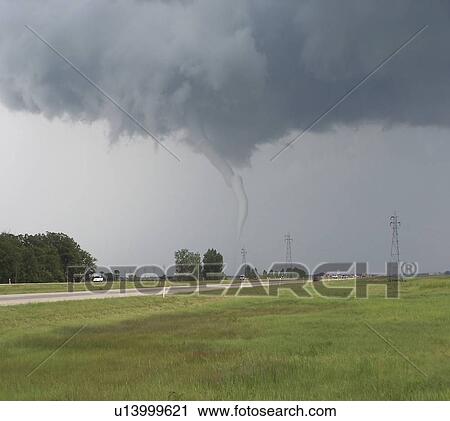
288,240
244,255
395,249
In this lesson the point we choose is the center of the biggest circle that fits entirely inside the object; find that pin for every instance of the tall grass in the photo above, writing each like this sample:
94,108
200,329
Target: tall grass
150,348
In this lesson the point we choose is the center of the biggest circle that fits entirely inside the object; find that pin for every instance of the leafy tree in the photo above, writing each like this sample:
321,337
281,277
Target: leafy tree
39,257
10,257
42,261
212,262
187,262
70,253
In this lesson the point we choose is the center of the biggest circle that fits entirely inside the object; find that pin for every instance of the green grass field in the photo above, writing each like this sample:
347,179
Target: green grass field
239,348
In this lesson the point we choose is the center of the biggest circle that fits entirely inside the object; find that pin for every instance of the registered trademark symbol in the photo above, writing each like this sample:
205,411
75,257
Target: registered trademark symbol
409,269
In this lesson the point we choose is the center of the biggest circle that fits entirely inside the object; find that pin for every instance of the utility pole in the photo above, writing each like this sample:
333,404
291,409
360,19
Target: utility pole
395,249
244,255
288,240
244,261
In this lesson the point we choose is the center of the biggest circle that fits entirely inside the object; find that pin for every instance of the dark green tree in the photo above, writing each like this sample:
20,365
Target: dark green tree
10,257
39,257
69,251
212,263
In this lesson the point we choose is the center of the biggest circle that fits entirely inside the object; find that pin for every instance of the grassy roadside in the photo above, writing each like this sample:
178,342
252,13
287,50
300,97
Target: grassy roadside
36,288
149,348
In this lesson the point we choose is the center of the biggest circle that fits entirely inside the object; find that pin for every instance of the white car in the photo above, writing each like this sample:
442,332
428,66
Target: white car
97,278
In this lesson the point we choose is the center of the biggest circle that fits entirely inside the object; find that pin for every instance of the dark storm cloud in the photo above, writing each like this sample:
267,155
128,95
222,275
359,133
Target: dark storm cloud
240,72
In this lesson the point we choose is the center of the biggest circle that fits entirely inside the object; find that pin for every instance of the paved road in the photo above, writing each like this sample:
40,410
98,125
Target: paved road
15,299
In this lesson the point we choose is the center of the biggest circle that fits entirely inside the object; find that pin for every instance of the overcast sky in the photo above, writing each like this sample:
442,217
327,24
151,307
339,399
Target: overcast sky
224,86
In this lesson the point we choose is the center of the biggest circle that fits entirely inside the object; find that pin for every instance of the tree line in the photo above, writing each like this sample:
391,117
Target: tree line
209,266
40,257
47,258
